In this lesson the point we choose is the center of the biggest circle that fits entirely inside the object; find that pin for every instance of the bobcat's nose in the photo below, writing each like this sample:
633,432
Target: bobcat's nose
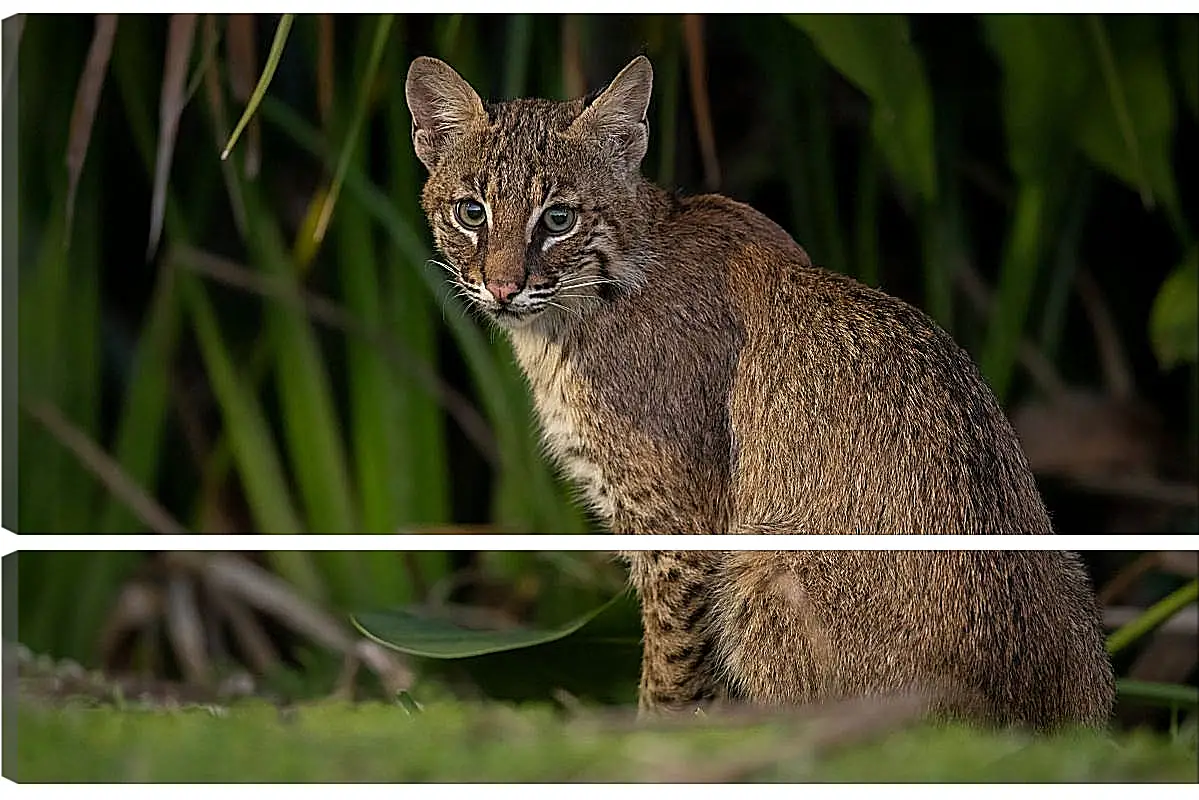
502,291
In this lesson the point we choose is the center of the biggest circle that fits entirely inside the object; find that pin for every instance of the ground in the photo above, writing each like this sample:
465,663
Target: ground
253,741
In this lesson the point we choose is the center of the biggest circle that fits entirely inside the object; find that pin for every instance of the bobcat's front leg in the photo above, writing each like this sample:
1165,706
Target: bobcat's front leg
678,664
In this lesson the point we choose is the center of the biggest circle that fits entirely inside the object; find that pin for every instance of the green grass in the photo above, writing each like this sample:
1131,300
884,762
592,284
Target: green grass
497,743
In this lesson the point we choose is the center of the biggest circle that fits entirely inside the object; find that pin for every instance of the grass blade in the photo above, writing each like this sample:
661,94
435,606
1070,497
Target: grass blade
310,422
216,107
866,260
573,82
366,82
386,479
1021,265
666,88
1064,267
324,67
59,364
179,47
268,72
516,58
876,53
249,435
401,352
1170,695
1154,616
1130,129
64,598
87,98
411,315
1111,78
140,429
299,569
93,458
693,36
242,64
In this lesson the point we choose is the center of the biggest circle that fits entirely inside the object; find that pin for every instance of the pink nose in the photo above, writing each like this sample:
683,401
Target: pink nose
502,291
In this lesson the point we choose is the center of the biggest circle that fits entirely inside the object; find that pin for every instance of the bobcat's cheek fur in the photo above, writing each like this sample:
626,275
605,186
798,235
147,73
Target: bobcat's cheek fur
693,372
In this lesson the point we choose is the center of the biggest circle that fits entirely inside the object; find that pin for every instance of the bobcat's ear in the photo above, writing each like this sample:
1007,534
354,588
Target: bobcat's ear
443,107
617,116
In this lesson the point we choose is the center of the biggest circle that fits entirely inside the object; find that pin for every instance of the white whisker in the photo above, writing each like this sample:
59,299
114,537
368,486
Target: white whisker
453,271
564,308
585,280
586,284
465,295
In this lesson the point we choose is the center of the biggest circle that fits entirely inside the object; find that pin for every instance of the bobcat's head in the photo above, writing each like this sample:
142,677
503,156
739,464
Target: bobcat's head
532,202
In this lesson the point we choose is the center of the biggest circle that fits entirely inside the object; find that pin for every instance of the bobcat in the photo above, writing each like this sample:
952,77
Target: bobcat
693,372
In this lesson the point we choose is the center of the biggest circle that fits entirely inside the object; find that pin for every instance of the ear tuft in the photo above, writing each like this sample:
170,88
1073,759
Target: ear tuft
443,107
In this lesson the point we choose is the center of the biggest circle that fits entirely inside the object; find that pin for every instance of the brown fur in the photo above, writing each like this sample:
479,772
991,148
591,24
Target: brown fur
695,373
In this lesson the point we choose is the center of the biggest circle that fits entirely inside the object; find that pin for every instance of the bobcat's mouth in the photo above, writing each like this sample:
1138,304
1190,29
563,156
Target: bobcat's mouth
515,316
519,308
508,312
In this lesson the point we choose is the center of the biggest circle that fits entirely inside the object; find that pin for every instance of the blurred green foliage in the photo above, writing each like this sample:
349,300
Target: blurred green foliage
523,626
284,359
119,610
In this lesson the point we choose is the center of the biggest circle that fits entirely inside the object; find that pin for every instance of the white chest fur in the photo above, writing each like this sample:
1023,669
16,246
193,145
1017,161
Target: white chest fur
560,395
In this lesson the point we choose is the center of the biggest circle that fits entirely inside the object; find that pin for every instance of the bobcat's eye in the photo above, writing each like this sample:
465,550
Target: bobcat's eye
558,219
470,213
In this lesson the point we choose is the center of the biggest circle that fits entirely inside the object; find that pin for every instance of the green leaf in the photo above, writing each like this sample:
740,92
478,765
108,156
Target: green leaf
1073,83
876,53
264,80
1127,127
1174,320
1152,617
1045,60
423,635
1159,694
